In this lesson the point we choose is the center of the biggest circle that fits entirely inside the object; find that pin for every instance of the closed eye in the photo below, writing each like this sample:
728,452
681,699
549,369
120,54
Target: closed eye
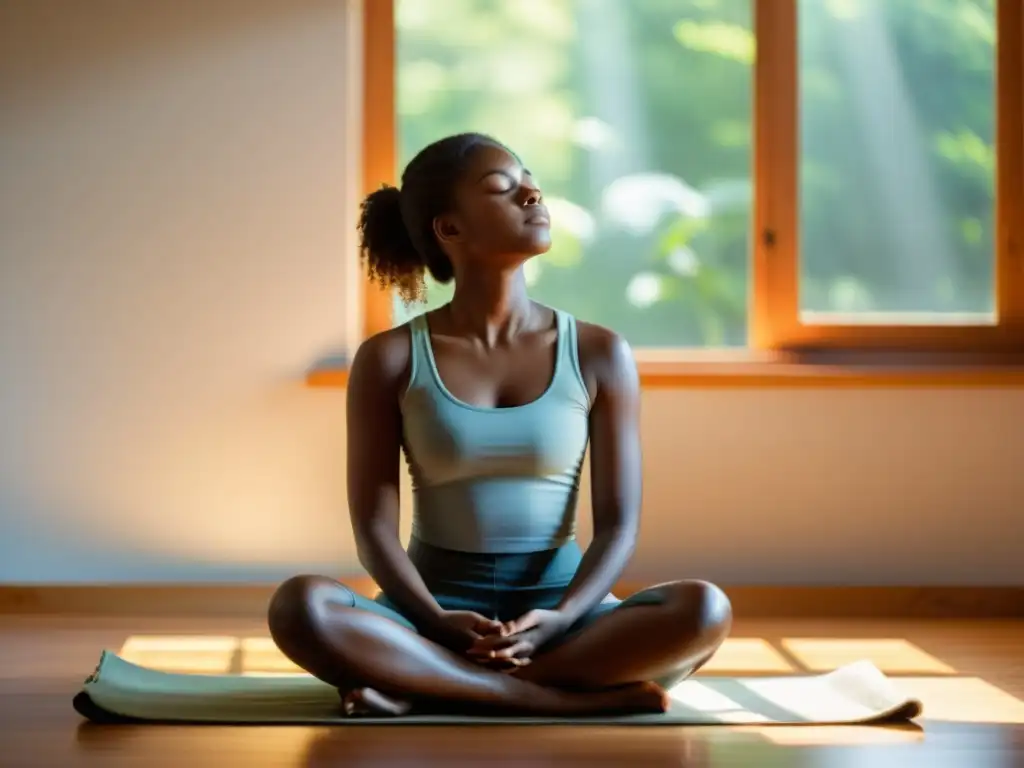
510,185
506,181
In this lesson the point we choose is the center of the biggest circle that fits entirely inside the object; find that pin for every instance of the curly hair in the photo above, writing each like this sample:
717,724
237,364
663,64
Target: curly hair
396,226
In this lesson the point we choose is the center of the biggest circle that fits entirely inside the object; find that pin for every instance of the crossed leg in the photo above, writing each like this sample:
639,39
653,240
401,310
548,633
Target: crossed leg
667,635
604,668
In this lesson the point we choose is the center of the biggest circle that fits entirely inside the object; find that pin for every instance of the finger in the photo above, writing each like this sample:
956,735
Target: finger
523,623
488,626
510,652
483,643
484,648
502,662
508,665
493,642
466,638
503,665
490,659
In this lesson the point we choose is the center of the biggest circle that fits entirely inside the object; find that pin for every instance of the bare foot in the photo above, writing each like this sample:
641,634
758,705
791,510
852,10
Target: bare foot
368,702
638,698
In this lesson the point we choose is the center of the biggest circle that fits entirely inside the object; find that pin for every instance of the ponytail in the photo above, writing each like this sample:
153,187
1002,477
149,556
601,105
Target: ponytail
386,247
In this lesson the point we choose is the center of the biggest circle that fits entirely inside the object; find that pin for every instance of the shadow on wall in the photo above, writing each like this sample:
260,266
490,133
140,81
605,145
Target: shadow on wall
75,547
88,547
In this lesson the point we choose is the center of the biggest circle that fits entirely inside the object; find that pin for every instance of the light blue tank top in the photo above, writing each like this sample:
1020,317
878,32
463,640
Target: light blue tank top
495,480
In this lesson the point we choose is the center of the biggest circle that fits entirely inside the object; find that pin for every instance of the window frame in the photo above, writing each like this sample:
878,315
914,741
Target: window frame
781,349
777,324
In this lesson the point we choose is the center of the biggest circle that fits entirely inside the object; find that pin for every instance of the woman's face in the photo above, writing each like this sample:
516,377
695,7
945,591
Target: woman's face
499,219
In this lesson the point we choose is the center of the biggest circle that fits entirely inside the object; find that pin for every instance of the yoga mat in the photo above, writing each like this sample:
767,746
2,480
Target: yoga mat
120,691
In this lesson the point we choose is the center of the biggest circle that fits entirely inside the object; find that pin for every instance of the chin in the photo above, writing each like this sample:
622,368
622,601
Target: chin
538,245
516,253
514,261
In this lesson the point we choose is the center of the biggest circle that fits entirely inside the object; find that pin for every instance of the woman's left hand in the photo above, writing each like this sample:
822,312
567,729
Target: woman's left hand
520,638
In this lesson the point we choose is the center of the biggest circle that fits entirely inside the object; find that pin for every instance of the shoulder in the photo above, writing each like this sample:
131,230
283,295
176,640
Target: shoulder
382,360
606,358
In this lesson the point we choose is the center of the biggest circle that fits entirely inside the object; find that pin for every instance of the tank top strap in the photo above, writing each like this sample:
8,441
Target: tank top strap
570,350
419,352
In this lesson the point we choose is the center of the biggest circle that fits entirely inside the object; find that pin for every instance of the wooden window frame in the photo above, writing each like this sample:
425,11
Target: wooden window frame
777,324
783,350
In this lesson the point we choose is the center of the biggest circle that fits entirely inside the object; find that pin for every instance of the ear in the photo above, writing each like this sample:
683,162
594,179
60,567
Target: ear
447,229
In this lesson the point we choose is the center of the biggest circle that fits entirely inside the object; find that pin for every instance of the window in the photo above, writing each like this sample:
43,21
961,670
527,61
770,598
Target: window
897,193
741,174
890,186
634,117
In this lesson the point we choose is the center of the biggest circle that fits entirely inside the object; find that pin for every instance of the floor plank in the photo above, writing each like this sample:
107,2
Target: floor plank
969,673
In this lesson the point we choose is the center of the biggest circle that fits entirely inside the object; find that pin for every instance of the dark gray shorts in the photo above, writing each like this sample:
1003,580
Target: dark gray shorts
502,587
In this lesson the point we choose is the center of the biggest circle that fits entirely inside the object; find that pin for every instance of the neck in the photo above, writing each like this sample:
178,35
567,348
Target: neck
491,306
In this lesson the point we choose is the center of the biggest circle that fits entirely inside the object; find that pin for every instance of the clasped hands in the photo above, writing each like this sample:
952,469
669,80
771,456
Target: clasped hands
506,645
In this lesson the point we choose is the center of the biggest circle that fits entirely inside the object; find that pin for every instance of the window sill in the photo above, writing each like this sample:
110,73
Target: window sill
719,369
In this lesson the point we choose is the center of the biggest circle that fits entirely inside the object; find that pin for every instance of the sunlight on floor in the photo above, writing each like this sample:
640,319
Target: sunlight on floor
894,656
195,654
963,700
747,655
834,735
917,673
261,657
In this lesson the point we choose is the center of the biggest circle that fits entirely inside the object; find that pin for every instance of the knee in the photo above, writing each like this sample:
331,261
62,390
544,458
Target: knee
701,607
297,608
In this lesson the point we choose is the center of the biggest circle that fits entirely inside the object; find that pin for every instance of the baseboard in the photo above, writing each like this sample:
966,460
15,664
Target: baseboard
238,600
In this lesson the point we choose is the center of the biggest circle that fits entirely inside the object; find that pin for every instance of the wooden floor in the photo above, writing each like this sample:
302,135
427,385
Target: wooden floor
969,674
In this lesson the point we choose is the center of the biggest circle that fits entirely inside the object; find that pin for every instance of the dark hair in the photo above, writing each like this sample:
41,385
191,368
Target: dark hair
397,226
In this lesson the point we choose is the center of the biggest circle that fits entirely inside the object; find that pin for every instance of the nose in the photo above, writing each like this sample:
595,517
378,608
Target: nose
531,195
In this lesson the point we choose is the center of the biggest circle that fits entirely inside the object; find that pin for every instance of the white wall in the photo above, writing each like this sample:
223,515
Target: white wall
175,213
174,219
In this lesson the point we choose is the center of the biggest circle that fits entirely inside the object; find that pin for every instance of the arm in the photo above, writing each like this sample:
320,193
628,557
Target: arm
615,468
374,451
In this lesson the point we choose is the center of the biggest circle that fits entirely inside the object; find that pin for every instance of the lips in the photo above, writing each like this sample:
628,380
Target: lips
540,217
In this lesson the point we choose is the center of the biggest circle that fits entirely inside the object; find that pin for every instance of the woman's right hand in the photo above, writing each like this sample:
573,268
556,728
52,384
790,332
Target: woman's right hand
459,630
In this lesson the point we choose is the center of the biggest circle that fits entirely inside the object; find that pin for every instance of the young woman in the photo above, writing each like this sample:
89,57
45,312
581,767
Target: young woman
493,398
